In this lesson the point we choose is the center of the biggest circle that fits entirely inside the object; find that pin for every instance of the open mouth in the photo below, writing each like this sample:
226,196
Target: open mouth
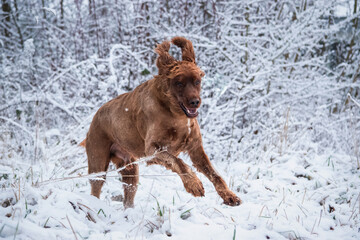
190,112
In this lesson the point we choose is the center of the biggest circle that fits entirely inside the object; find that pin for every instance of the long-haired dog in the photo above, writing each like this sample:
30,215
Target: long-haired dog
157,119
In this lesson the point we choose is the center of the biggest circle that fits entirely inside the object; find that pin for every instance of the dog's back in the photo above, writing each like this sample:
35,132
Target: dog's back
118,121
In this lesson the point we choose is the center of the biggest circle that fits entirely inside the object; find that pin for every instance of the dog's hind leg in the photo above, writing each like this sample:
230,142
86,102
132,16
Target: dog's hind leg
129,172
98,152
130,178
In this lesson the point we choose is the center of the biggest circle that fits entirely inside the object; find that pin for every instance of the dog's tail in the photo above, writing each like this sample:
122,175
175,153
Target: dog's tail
83,143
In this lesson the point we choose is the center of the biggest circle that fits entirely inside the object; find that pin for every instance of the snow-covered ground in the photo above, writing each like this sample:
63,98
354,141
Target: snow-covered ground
289,197
280,118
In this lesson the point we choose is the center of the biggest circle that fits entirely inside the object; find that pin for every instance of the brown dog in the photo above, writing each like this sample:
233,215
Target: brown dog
157,119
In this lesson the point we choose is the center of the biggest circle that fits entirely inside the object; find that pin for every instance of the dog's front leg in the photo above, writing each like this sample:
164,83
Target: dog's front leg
191,182
203,165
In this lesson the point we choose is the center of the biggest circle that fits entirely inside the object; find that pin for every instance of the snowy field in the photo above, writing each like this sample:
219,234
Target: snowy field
293,196
280,118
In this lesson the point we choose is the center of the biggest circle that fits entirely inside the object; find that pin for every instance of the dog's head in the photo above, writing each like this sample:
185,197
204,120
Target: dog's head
183,77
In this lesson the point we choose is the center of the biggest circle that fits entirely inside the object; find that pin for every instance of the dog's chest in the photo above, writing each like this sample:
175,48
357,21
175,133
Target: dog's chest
179,134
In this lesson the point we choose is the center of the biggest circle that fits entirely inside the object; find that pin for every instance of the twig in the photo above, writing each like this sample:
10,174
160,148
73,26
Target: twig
286,215
77,169
352,99
353,210
312,230
262,209
302,210
19,189
320,217
232,130
99,175
302,202
71,227
18,125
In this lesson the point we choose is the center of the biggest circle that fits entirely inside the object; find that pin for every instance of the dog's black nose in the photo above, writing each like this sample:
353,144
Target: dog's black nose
194,102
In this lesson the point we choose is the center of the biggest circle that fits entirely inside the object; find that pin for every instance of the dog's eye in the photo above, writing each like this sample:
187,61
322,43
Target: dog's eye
197,82
179,84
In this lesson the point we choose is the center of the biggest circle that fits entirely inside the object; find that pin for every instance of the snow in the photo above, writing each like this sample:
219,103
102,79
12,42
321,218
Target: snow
280,119
281,200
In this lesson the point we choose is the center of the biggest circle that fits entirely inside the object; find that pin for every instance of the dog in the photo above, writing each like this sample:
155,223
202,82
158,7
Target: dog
158,119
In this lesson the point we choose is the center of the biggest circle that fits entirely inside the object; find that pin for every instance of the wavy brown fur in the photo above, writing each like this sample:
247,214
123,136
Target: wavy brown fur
186,48
157,119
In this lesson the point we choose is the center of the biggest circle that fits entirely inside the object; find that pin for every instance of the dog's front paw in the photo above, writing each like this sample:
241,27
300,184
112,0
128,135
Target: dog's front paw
195,187
231,199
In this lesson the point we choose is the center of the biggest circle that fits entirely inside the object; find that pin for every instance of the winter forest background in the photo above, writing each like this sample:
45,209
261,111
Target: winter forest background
280,116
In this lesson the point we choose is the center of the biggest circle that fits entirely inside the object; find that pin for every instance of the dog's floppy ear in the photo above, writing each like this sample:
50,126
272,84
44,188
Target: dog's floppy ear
186,48
164,59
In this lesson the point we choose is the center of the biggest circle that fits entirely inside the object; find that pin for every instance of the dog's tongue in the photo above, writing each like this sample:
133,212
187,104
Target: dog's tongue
192,110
